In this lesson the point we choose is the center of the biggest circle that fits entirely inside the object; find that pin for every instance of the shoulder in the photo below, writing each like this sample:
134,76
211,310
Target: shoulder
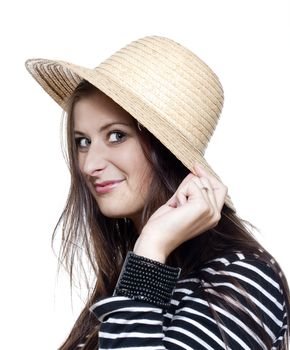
248,268
238,293
246,277
248,274
243,280
247,282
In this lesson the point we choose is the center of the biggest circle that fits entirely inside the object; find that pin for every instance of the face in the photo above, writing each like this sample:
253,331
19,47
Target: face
111,157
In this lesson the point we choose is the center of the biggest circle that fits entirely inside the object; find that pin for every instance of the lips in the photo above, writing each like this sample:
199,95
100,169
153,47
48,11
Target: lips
107,186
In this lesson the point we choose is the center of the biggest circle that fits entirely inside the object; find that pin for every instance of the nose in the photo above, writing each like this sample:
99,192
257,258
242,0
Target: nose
94,161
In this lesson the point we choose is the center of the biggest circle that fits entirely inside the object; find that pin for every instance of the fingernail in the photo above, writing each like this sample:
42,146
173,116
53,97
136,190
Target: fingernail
199,166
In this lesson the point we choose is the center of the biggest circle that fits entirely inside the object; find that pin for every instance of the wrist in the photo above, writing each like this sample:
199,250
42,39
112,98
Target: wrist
146,250
146,280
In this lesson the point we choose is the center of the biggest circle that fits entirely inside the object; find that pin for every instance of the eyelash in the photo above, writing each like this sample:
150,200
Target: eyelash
78,140
119,132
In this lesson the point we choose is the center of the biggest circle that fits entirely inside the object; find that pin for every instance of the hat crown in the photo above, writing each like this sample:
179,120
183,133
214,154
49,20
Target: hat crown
177,84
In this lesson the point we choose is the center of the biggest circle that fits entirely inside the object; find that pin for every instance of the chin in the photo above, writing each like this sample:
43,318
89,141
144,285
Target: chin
111,213
120,214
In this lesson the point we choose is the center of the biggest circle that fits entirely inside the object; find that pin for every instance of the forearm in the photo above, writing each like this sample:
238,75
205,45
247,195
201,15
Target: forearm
133,317
127,323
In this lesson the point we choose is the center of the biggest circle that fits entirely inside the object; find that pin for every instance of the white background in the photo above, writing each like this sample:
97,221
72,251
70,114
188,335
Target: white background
246,43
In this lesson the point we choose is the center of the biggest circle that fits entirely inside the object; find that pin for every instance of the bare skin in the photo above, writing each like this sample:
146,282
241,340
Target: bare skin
193,209
109,150
118,175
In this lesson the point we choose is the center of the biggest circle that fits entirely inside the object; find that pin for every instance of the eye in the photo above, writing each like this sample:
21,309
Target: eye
82,142
116,136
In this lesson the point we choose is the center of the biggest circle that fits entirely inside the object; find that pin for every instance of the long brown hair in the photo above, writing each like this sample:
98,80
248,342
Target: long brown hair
86,232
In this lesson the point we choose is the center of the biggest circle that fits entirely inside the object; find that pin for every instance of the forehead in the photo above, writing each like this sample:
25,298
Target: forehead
98,109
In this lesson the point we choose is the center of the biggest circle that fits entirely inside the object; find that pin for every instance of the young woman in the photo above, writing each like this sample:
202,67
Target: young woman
175,267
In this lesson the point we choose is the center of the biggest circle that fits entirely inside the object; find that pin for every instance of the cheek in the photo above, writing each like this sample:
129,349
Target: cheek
135,165
143,173
81,162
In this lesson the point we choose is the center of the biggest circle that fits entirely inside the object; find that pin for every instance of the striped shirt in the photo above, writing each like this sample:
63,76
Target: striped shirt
191,320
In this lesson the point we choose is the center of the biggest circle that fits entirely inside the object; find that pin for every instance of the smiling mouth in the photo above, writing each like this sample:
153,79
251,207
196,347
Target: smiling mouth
107,186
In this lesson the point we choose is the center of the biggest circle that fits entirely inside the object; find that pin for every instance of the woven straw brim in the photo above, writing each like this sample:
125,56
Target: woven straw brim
59,79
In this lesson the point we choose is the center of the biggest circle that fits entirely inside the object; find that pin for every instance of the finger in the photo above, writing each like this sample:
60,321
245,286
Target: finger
202,187
201,171
180,197
186,190
192,188
207,188
191,191
185,180
214,213
174,201
219,189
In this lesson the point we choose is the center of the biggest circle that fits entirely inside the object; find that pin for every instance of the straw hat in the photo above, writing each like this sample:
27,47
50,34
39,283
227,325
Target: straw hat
163,85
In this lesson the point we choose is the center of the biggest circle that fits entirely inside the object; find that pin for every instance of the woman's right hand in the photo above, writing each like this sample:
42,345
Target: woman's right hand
194,208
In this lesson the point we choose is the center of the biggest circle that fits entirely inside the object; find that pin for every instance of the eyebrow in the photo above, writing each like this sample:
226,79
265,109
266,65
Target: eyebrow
104,127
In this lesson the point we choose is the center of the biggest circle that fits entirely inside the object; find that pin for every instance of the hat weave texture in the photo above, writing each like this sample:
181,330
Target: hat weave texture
162,84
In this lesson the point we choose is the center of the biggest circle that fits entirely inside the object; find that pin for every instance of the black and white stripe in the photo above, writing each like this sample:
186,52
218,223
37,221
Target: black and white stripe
189,322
